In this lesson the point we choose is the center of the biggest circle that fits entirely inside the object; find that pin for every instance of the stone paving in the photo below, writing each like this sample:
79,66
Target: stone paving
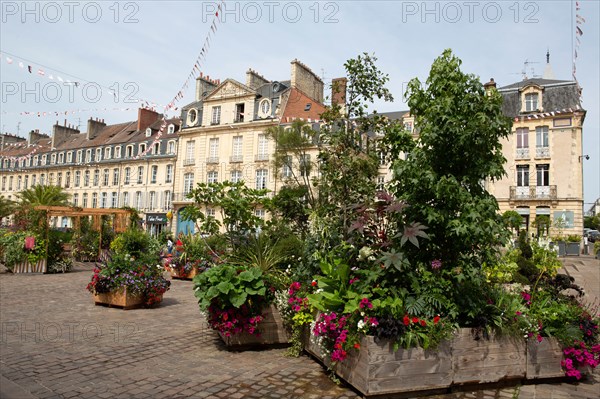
56,344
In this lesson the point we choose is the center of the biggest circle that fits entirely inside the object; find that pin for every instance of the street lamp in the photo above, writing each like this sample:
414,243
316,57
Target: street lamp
587,157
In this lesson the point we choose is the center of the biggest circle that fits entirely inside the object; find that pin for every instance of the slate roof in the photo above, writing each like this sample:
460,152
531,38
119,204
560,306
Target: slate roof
557,95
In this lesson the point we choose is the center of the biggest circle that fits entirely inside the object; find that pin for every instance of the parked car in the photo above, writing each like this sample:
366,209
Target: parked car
593,235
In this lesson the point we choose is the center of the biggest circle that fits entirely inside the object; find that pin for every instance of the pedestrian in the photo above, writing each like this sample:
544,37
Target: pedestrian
169,245
585,244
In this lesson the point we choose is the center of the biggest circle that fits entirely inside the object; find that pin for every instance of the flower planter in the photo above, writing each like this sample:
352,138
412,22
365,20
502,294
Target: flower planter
271,328
572,249
543,359
183,276
487,360
26,267
121,299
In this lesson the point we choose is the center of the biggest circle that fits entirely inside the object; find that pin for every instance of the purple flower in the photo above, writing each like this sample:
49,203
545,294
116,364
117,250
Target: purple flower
436,264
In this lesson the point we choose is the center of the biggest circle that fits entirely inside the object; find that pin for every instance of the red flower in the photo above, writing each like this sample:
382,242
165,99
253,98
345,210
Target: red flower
436,319
406,320
357,346
415,319
314,283
423,323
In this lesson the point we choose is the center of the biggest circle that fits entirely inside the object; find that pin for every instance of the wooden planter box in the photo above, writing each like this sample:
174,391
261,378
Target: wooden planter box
271,328
487,360
377,370
573,249
27,267
120,299
182,276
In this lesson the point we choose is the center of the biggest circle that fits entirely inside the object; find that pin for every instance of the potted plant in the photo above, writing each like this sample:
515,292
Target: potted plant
130,276
23,251
195,255
573,245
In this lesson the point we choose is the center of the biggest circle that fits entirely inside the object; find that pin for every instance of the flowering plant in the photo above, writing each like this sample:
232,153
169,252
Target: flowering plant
234,297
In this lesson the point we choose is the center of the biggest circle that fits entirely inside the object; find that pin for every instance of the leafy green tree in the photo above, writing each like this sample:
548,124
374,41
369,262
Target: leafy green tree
512,220
7,207
592,222
443,178
44,195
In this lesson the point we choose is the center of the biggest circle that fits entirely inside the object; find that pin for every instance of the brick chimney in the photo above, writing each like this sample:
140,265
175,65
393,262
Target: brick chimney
304,79
146,118
254,80
60,134
94,127
35,136
6,139
204,86
491,84
338,91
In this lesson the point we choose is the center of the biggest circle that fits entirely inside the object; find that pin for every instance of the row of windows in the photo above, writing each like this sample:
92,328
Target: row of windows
236,151
542,175
262,176
90,155
137,200
541,137
87,178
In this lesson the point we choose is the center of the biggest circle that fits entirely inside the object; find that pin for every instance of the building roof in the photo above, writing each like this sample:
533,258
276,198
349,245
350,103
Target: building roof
534,81
558,95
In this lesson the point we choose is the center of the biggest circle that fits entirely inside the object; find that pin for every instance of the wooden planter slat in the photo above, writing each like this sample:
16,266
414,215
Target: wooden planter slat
120,299
543,359
272,331
26,267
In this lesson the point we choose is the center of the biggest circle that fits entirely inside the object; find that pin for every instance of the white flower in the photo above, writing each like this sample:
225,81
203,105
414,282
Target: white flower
361,324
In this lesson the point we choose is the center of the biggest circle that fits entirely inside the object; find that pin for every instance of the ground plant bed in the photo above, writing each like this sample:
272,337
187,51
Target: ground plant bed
376,369
121,299
272,332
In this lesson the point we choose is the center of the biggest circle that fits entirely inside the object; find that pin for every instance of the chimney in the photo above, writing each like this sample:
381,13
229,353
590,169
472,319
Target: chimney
338,91
8,139
254,80
146,118
35,136
204,86
307,81
94,127
60,134
489,85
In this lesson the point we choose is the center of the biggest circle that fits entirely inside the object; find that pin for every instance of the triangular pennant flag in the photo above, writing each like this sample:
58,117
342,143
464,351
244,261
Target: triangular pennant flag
9,60
21,65
579,31
29,68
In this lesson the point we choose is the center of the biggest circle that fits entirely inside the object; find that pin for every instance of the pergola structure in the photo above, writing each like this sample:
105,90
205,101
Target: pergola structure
121,217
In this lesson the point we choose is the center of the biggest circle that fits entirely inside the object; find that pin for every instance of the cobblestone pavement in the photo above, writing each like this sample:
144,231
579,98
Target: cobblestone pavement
56,344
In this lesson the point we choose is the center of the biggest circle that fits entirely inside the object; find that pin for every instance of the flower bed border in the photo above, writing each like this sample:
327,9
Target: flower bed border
272,333
377,370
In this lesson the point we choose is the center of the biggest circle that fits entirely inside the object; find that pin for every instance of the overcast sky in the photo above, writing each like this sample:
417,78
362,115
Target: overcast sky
146,49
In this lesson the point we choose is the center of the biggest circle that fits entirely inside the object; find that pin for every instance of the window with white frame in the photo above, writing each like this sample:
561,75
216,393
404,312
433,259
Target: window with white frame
286,171
148,132
189,152
94,200
69,156
26,182
104,200
88,156
171,129
61,158
260,213
138,199
142,149
127,178
19,180
114,201
543,174
236,155
3,183
96,177
42,179
105,177
213,150
212,176
107,153
380,183
115,176
84,200
153,173
129,151
98,154
35,161
140,174
156,149
263,145
522,175
261,179
541,135
305,165
169,174
125,198
152,200
77,178
33,180
44,159
236,176
75,199
531,102
171,147
86,178
10,183
58,179
188,183
67,179
167,199
118,152
79,156
53,159
216,115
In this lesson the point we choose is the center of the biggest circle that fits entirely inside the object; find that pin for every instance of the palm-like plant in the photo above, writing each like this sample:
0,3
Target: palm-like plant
6,207
263,253
44,195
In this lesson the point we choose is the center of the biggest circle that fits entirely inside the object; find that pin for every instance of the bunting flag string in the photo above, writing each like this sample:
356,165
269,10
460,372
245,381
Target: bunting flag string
579,20
546,114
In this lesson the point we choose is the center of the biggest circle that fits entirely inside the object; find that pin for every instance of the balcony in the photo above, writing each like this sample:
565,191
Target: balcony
181,197
542,152
212,160
236,158
261,157
189,161
533,193
522,153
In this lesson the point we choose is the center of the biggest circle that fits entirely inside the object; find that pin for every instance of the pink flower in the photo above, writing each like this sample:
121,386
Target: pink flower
436,264
364,303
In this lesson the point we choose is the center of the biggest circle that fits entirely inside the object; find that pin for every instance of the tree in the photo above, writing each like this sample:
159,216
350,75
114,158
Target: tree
460,127
6,207
512,220
45,195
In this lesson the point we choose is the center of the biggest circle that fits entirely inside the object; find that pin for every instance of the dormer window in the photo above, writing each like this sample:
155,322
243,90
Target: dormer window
148,132
142,149
192,117
531,102
171,129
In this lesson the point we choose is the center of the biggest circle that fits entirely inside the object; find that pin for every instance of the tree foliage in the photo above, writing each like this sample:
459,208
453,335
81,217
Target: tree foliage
460,127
